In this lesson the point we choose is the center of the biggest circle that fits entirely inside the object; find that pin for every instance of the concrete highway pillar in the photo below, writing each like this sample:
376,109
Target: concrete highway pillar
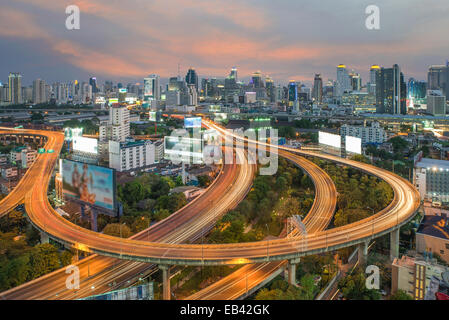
394,244
292,271
166,291
94,218
44,238
363,252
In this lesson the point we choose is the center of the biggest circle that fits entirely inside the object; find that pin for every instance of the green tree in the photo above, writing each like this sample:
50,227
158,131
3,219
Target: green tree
353,287
400,295
117,229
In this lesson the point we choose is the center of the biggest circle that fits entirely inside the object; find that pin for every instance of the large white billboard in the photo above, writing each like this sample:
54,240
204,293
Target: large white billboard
87,145
353,145
329,139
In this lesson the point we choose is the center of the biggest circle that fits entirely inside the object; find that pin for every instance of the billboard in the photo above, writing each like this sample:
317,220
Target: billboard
220,116
183,149
153,116
353,145
87,145
328,139
192,122
70,133
87,183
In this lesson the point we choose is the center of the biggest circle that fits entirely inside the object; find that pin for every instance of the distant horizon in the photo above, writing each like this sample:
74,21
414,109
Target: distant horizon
245,78
284,39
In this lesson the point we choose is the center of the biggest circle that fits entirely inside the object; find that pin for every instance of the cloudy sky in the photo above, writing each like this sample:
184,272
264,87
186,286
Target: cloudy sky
286,39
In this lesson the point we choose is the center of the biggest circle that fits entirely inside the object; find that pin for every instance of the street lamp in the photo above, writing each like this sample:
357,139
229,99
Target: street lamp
373,219
268,234
121,243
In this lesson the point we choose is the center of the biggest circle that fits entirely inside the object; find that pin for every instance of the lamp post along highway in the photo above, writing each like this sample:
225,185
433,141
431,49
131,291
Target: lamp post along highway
268,234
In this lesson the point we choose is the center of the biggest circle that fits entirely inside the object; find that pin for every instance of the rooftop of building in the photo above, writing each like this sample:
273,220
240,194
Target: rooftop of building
184,189
433,164
436,226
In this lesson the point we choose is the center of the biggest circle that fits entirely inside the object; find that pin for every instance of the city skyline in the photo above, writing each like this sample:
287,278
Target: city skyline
285,40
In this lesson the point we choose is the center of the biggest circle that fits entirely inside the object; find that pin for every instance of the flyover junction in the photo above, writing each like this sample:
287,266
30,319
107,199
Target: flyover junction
405,203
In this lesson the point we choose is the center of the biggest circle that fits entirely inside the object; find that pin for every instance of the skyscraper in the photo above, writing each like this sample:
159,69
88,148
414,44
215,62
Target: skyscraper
256,80
270,89
438,78
93,83
343,81
436,103
317,92
39,91
15,88
151,88
356,81
372,79
192,77
416,90
233,74
391,91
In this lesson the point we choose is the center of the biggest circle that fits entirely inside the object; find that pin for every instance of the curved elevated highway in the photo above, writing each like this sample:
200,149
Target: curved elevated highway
97,273
403,207
400,211
250,277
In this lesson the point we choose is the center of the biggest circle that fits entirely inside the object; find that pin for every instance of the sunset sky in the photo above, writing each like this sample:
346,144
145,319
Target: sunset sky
286,39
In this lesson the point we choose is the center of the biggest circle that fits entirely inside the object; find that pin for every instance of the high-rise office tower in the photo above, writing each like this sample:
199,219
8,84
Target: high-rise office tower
108,86
292,91
391,91
93,83
39,91
192,95
151,88
206,87
293,95
15,88
438,78
356,81
256,80
317,92
343,83
233,74
436,103
371,86
192,77
269,84
118,126
416,90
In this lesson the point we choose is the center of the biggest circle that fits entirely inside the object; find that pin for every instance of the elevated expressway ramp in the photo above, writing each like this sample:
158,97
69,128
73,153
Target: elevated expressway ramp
101,274
403,207
249,278
13,199
400,211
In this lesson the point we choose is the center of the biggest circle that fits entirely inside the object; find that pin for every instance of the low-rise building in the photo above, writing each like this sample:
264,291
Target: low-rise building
131,155
189,191
16,154
28,156
9,172
373,134
431,178
433,236
158,151
414,275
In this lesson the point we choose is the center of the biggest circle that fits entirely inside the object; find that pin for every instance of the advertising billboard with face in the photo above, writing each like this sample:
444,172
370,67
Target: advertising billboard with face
89,184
